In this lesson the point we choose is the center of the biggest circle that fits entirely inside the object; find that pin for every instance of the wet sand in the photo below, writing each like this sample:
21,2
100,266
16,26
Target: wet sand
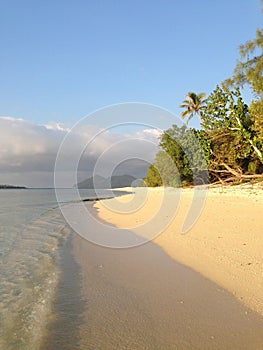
140,298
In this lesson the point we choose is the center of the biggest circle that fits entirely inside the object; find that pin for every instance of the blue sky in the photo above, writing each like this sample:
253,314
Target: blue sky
61,60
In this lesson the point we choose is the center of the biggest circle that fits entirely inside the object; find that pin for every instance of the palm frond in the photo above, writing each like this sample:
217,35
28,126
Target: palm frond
193,105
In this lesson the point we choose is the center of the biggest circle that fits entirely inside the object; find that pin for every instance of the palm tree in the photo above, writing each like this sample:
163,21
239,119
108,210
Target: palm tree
193,104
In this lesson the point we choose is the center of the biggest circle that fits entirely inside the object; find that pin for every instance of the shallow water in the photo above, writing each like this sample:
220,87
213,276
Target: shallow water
33,237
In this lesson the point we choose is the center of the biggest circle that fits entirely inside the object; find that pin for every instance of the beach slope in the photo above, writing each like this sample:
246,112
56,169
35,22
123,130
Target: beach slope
225,244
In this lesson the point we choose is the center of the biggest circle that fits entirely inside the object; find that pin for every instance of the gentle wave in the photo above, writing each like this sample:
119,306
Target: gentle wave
29,276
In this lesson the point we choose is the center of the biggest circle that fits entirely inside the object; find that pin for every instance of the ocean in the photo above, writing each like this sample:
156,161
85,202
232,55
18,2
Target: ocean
34,251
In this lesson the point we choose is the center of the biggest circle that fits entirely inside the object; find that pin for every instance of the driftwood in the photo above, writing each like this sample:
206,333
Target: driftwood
237,177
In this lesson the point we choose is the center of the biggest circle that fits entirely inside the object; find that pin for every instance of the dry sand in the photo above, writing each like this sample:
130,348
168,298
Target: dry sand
225,244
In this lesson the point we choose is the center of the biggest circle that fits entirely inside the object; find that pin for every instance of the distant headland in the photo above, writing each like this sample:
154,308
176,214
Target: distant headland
116,181
12,187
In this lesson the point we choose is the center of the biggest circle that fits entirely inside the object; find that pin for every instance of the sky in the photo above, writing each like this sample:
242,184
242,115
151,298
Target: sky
62,60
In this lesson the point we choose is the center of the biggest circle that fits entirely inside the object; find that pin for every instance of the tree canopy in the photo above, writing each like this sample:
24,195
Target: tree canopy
249,68
229,146
235,149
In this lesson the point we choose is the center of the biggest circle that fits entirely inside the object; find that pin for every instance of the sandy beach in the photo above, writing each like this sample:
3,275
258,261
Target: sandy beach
146,296
224,245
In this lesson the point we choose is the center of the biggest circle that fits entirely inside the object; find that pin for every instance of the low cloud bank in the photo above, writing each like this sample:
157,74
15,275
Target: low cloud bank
28,151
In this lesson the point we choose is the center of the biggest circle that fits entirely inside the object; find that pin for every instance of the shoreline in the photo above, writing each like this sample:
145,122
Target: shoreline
65,314
225,245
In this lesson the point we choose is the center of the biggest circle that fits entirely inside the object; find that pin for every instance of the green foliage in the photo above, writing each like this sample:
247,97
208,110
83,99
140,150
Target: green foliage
229,145
205,144
167,169
183,146
153,178
249,69
171,143
230,129
162,172
252,168
256,111
183,159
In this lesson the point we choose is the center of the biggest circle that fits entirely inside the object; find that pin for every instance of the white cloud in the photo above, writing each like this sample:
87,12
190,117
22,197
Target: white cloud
28,151
56,126
150,134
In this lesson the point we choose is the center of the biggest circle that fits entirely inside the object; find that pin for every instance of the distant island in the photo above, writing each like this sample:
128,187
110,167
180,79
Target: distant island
115,181
12,187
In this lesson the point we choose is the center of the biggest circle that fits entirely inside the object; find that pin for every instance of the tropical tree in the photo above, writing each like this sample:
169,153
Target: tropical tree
249,71
249,68
153,178
162,172
235,149
187,152
194,104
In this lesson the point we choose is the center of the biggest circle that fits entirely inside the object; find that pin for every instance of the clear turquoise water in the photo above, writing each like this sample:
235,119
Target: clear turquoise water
32,230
